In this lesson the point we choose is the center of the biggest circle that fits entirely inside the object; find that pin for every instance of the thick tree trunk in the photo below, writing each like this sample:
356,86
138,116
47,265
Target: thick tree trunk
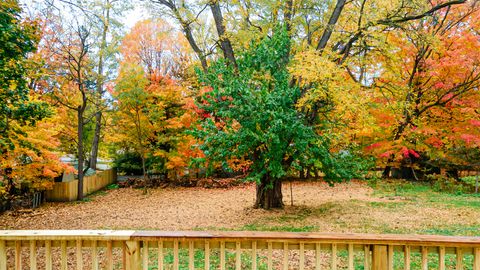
80,153
269,193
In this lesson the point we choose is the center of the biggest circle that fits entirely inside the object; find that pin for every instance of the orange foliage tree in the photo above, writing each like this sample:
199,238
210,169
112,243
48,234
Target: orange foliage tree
27,136
152,105
427,97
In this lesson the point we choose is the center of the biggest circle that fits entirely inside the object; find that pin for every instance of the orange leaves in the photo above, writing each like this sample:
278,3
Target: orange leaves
434,141
157,47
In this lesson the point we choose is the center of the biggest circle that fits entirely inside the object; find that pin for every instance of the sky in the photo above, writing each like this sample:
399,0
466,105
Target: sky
139,12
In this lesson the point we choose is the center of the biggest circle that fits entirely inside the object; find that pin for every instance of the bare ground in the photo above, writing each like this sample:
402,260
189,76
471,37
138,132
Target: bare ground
348,207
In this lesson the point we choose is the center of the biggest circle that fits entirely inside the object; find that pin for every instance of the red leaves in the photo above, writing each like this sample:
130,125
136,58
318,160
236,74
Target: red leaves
470,139
412,152
404,151
475,122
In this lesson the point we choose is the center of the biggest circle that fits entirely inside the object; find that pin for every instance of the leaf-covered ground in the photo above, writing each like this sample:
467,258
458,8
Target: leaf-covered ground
349,207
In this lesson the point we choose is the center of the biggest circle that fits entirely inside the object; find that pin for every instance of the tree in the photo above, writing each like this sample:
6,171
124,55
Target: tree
18,38
431,79
26,150
70,81
253,115
158,48
133,104
151,98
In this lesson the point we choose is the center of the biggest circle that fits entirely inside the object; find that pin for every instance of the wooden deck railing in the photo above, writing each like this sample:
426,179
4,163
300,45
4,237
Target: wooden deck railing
233,250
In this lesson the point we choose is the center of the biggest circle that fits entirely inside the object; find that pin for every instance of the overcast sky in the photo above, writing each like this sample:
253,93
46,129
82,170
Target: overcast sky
131,17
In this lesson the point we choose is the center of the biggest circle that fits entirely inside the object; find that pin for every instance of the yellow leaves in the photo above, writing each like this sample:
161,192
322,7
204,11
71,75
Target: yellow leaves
328,83
34,159
176,162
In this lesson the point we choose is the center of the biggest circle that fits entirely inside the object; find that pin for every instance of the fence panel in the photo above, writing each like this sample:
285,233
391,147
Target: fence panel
67,191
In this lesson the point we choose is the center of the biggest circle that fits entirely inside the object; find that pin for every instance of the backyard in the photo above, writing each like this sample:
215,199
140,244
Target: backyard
387,207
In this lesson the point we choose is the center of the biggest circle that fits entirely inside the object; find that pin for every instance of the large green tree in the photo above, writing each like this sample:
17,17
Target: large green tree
252,114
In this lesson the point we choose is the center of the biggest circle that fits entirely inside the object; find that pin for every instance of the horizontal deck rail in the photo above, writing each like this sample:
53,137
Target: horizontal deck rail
105,249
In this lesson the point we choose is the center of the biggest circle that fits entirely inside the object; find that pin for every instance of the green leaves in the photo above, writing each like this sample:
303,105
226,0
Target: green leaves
17,39
253,115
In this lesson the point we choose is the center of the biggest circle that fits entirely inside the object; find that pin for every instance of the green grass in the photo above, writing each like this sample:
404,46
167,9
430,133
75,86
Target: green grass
286,228
424,193
199,259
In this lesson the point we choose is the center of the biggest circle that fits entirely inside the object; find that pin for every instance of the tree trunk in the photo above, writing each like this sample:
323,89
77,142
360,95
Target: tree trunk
222,35
80,153
100,82
269,193
96,140
386,171
144,170
331,24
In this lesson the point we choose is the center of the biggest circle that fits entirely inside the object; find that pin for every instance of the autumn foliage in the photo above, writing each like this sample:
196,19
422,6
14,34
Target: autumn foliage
266,89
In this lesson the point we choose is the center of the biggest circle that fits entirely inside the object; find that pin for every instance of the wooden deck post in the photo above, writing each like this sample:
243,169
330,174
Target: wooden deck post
380,257
132,255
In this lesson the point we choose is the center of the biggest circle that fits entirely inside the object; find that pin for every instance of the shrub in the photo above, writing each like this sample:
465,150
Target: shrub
443,183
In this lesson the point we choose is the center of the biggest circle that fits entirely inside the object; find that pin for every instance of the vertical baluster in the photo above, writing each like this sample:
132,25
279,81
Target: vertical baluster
95,256
79,255
459,259
390,257
109,255
334,257
207,255
406,255
238,259
285,256
132,255
63,249
18,255
145,255
191,258
124,254
269,256
3,255
476,259
366,258
175,255
441,258
160,255
33,254
424,258
350,257
254,255
302,256
222,255
48,255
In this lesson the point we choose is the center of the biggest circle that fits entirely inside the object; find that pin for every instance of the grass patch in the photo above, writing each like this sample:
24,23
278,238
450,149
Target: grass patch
423,193
260,227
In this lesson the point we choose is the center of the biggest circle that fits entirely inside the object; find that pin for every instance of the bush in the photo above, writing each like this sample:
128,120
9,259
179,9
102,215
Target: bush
128,163
443,183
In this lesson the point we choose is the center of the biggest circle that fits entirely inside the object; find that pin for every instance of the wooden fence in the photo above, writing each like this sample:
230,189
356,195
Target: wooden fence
233,250
67,191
